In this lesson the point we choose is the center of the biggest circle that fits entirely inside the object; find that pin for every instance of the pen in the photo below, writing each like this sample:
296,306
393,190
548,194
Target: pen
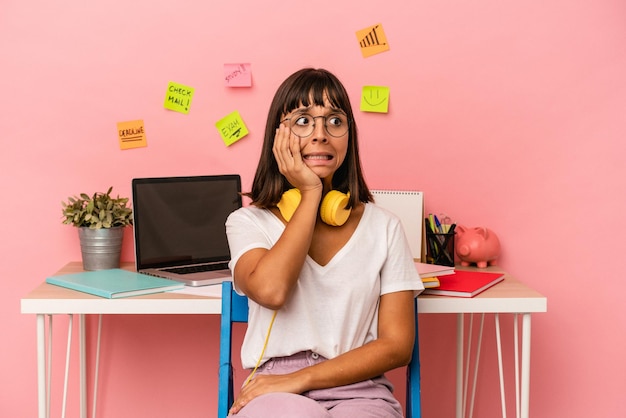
431,238
433,227
438,224
429,226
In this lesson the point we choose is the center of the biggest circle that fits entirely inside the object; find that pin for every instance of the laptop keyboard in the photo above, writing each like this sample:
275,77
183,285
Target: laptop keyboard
197,269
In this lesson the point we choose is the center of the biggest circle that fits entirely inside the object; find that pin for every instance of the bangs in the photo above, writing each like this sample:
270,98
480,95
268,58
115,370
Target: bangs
312,90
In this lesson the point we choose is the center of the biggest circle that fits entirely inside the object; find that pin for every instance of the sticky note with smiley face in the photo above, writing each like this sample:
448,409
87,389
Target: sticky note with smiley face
375,99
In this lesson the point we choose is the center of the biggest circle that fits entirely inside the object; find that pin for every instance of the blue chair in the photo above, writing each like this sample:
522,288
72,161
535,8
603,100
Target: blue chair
235,309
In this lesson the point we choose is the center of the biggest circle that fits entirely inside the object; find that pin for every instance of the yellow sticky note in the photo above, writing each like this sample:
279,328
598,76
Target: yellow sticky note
375,99
231,128
178,97
132,134
372,40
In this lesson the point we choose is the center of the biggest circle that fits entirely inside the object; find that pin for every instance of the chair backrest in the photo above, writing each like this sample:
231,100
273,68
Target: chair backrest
235,309
413,378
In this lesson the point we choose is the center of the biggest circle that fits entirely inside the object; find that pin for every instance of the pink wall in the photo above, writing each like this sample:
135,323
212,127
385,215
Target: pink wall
506,114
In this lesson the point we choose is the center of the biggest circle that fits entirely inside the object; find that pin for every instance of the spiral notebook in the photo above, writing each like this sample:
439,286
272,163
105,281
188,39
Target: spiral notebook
408,205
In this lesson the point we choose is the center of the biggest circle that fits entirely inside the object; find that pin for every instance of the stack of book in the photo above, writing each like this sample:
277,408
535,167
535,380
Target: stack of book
465,283
446,281
430,273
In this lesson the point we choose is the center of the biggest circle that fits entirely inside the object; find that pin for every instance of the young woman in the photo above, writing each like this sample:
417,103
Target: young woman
329,274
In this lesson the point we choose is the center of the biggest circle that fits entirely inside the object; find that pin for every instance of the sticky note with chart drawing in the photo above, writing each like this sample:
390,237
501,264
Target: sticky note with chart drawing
178,97
231,128
131,134
375,99
372,40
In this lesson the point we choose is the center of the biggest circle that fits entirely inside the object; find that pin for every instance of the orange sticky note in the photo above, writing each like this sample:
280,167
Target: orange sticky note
372,40
131,134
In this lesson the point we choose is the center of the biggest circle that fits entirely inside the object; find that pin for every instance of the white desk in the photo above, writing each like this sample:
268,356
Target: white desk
510,296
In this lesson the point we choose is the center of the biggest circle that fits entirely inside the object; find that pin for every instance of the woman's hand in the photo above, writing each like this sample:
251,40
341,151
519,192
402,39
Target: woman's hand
263,384
290,163
283,262
392,349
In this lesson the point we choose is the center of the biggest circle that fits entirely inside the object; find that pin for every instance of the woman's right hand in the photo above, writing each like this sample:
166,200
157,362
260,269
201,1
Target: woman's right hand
290,163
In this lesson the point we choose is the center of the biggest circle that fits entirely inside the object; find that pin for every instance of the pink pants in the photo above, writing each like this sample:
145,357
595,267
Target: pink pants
369,399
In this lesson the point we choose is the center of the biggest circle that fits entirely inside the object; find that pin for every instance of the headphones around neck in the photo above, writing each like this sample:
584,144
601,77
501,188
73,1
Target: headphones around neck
332,210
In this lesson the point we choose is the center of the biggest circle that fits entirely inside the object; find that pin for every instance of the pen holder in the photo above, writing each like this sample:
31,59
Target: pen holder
440,248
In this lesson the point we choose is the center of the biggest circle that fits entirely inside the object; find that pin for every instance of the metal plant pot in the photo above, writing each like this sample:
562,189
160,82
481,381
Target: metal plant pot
101,248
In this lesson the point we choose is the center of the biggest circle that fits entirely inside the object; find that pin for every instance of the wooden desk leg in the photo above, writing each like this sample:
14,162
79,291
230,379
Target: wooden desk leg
41,365
525,386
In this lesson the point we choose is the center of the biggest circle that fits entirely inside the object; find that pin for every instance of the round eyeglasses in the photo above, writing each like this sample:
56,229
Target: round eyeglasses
303,124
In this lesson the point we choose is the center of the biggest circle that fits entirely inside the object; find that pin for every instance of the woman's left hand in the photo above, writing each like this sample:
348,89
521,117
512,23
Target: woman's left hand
262,384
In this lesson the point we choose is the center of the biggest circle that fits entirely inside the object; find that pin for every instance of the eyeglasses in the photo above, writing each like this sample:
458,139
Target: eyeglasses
303,124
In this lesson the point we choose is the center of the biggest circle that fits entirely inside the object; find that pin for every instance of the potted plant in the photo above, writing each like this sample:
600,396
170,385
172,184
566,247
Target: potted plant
100,220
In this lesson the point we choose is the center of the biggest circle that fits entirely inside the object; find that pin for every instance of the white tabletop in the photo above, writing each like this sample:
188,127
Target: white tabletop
508,296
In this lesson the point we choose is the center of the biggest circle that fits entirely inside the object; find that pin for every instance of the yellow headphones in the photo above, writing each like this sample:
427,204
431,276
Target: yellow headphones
332,210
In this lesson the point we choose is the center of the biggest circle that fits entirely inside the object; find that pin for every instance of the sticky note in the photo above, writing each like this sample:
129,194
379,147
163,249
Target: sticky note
372,40
375,99
231,128
131,134
237,75
178,97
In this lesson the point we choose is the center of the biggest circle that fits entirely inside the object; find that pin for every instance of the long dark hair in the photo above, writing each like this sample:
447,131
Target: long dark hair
307,87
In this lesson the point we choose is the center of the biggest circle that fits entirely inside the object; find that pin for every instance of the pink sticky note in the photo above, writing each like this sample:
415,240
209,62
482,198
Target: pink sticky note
237,75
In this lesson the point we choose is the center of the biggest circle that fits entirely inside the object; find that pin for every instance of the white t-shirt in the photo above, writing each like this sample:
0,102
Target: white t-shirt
333,308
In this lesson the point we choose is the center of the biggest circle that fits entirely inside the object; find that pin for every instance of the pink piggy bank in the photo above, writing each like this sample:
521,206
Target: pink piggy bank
476,245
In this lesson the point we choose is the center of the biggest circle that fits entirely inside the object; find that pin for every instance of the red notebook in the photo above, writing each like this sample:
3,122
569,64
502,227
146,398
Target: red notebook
465,284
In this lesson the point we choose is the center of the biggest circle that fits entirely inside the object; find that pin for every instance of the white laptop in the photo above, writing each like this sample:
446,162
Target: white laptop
179,226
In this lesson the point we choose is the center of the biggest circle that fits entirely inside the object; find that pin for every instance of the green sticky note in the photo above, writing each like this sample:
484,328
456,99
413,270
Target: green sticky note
375,99
231,128
178,97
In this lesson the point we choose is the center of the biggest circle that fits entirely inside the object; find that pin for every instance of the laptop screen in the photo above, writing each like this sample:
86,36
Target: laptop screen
180,220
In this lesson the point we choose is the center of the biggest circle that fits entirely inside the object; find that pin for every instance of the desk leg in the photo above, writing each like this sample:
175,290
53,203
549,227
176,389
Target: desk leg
523,381
525,386
41,365
500,368
82,365
94,400
459,365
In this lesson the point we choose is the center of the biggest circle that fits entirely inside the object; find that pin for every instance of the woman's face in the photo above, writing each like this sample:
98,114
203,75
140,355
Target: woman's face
323,133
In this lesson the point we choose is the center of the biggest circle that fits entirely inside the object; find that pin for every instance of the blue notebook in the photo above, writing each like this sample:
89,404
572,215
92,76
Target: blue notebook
114,283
